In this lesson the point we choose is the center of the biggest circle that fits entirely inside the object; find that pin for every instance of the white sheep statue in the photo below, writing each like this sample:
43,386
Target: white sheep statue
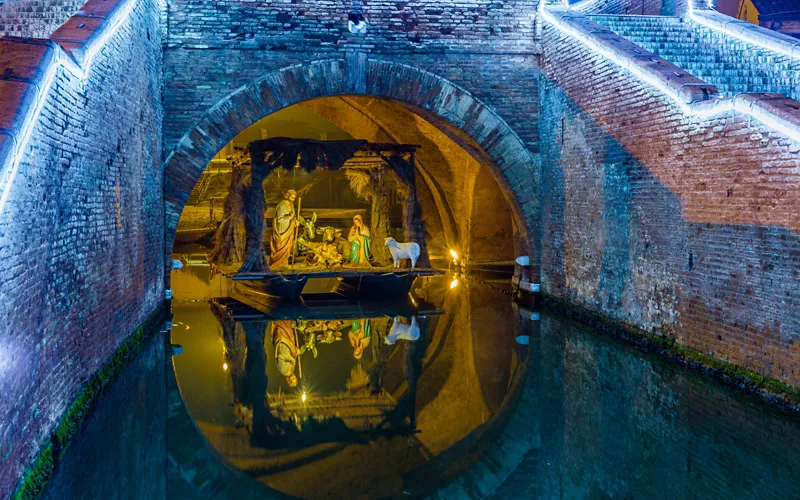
403,251
403,331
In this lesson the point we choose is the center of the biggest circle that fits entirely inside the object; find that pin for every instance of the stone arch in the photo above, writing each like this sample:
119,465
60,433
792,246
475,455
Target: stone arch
452,109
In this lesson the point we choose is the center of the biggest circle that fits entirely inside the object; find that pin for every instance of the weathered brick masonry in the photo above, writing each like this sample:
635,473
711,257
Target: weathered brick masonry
682,226
483,46
35,18
81,236
417,52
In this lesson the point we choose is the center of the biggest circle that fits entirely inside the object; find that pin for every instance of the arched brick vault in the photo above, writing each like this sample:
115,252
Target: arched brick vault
462,202
453,110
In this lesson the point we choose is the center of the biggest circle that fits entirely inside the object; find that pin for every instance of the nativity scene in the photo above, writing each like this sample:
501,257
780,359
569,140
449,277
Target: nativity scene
281,227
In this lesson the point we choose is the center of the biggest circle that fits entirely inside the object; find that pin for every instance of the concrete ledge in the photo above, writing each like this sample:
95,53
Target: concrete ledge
777,108
25,65
685,87
748,32
525,285
29,65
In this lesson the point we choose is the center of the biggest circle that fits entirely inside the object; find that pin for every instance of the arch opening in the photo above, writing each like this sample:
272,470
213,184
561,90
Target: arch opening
464,207
380,393
427,98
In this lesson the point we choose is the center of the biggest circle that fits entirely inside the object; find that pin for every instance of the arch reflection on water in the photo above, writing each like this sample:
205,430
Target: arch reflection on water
343,399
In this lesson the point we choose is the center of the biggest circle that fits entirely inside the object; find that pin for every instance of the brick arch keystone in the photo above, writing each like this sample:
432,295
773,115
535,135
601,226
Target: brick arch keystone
449,107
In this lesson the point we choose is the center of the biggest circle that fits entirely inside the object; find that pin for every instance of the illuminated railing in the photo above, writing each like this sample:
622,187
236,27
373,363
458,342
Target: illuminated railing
73,47
693,96
747,32
736,28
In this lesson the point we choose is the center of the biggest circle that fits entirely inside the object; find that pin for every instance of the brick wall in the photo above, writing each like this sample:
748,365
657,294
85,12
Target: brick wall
680,226
35,18
412,25
81,235
486,49
732,65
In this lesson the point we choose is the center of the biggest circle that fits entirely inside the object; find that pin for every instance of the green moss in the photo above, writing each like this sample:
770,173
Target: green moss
37,476
768,388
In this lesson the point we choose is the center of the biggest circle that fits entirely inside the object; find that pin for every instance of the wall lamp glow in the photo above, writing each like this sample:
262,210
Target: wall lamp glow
62,59
703,109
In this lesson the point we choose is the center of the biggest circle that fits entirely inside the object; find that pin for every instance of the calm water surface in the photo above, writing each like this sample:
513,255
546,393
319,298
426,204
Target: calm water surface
458,393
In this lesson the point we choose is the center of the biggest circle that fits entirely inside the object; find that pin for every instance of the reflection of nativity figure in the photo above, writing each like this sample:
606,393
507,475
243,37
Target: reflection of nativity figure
286,351
331,331
359,335
402,330
359,240
283,229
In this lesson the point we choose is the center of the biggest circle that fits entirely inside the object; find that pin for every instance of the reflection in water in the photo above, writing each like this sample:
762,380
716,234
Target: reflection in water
344,399
353,400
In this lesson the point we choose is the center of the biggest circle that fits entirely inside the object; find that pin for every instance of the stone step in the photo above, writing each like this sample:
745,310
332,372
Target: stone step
732,65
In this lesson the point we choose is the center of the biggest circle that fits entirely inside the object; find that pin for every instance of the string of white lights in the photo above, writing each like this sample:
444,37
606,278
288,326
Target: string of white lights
80,70
786,48
703,109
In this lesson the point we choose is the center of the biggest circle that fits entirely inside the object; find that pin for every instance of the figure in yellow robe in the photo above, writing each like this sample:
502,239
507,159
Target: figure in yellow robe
283,229
286,351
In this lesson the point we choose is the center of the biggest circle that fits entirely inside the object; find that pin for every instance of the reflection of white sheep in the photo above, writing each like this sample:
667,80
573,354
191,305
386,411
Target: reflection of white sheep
403,331
403,251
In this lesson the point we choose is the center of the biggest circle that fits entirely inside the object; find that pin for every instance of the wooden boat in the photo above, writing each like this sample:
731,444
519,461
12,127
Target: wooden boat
385,285
374,283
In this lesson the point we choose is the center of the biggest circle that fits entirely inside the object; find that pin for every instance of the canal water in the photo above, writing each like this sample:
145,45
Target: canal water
455,392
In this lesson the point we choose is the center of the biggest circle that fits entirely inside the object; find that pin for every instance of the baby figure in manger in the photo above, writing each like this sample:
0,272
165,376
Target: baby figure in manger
359,241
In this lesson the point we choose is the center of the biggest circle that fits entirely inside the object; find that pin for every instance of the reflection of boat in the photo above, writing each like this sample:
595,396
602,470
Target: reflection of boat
374,283
259,338
394,284
247,305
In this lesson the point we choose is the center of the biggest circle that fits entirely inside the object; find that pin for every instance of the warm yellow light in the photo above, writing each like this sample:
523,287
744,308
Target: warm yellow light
304,397
225,366
454,254
454,283
412,299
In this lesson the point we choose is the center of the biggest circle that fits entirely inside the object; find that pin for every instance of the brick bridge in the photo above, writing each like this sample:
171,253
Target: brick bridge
652,161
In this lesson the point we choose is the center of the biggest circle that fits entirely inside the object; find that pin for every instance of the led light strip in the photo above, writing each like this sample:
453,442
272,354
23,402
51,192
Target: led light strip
704,109
739,36
579,5
62,59
699,19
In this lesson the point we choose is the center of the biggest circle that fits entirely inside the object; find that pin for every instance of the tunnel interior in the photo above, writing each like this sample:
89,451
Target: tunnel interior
463,207
336,390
